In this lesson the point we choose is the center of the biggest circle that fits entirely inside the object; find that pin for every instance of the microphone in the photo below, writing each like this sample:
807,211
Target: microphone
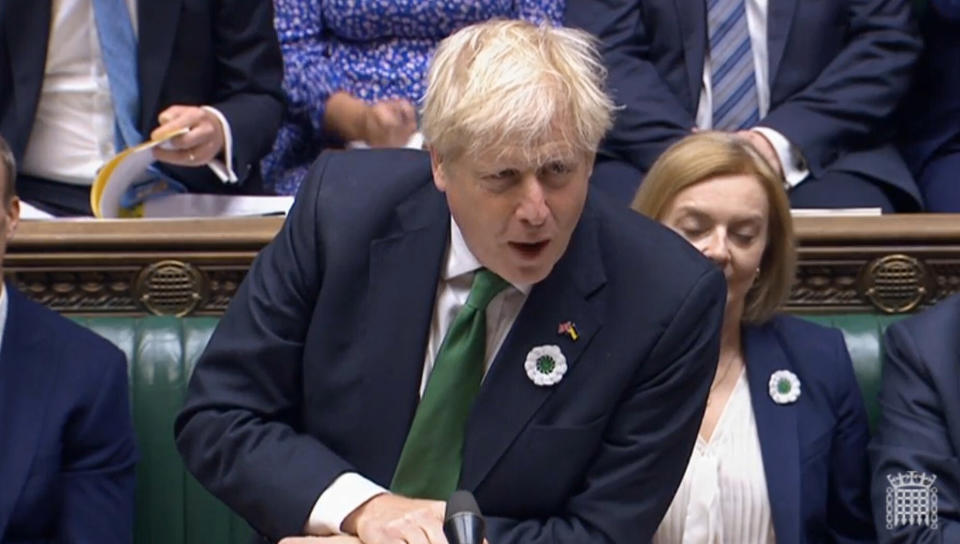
462,521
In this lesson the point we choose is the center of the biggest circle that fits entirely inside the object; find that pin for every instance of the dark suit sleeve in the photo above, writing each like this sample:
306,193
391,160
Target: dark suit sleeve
948,9
848,504
99,456
248,78
239,432
648,440
856,94
913,435
651,117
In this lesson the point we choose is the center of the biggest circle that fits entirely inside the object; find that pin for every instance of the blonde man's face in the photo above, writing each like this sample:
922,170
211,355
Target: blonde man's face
517,207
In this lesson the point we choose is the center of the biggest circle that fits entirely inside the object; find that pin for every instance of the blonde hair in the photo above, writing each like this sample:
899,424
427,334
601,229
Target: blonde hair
706,155
501,83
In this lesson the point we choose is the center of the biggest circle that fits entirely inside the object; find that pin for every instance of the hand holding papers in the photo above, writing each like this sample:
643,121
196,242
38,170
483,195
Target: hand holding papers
124,188
120,173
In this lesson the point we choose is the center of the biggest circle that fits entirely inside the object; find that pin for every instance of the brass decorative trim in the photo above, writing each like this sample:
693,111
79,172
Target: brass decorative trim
170,287
894,283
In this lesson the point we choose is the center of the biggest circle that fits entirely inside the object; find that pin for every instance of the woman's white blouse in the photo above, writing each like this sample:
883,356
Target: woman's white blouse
723,496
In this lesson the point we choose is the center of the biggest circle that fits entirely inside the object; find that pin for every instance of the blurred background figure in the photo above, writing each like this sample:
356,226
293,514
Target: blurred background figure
68,454
81,80
916,446
781,452
931,112
812,85
353,71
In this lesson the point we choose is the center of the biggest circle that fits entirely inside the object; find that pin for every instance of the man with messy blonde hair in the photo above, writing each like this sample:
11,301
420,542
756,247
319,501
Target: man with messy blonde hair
504,83
468,318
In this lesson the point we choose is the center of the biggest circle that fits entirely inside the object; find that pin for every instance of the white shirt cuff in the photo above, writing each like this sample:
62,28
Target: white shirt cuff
223,169
347,493
791,160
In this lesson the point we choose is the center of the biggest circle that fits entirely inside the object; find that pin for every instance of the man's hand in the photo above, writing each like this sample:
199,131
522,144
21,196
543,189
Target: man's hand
389,123
393,519
320,540
195,148
763,146
340,539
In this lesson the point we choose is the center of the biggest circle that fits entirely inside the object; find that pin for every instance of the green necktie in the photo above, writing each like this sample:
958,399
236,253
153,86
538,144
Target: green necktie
429,466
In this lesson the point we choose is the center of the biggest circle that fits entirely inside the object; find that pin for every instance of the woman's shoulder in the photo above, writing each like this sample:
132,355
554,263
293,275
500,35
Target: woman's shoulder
797,329
818,353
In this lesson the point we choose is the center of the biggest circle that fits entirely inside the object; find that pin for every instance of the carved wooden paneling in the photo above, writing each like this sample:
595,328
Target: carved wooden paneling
136,267
892,264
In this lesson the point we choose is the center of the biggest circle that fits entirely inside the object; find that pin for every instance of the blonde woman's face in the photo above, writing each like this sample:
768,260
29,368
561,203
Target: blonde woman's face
727,219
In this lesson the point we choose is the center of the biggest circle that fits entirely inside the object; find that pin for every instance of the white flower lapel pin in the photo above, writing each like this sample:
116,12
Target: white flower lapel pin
545,365
784,387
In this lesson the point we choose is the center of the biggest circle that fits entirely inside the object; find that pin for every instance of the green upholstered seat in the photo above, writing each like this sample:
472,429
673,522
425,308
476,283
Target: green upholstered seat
863,334
172,508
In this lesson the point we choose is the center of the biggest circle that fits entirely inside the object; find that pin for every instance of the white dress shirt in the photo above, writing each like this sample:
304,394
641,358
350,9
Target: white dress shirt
3,312
350,489
73,128
791,159
723,497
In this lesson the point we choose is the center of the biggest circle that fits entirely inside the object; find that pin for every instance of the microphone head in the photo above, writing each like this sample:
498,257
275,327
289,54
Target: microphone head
463,523
461,502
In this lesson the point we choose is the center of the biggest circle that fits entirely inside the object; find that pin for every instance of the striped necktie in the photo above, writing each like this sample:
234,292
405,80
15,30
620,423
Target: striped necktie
733,82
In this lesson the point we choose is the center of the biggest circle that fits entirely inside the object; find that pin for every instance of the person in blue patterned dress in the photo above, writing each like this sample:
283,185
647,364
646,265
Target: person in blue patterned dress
353,70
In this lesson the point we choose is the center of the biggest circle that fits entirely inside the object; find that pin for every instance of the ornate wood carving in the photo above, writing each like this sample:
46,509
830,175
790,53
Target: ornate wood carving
891,264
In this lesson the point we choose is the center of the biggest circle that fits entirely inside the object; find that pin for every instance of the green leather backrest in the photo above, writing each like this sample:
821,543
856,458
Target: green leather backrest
863,334
172,508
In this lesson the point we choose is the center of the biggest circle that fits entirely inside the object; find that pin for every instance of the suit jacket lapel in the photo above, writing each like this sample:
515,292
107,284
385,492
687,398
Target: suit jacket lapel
26,25
508,398
692,16
777,430
405,270
157,27
26,379
779,20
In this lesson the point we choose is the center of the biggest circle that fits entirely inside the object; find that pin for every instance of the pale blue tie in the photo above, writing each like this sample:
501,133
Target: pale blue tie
733,82
118,45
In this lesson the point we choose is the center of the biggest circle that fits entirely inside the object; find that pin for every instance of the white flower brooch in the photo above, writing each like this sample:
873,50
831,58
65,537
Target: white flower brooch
784,387
545,365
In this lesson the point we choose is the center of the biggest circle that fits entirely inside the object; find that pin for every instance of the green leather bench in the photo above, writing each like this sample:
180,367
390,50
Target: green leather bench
172,508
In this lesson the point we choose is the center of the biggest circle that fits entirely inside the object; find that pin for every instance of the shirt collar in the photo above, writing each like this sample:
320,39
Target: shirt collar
461,261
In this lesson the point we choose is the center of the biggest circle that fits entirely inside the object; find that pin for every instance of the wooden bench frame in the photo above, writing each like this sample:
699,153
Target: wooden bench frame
889,264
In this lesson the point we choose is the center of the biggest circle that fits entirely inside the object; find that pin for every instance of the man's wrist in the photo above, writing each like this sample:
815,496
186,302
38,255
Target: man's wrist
351,523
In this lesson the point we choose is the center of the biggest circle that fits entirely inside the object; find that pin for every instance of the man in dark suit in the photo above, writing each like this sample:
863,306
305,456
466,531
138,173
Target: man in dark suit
915,452
68,454
811,84
930,136
341,368
82,79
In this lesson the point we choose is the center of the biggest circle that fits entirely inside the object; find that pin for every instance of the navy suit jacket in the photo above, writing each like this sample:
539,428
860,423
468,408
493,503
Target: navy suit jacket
838,70
68,454
919,426
931,113
815,449
192,52
315,368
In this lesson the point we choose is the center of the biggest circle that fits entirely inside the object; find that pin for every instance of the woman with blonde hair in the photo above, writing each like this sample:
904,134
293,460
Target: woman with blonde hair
781,452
